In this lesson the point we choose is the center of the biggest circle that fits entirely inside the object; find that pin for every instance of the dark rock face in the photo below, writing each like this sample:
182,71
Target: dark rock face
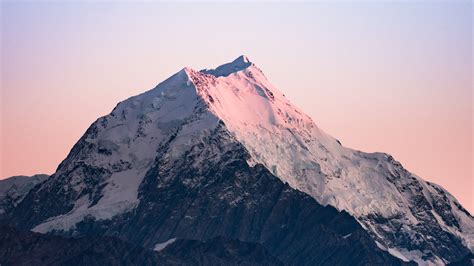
196,198
468,260
28,248
216,251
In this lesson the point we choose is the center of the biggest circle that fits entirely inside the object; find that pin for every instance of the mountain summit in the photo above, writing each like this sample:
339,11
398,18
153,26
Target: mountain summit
223,153
241,63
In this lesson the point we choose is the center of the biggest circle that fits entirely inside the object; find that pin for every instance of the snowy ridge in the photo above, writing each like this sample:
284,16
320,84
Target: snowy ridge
127,140
241,63
407,216
289,144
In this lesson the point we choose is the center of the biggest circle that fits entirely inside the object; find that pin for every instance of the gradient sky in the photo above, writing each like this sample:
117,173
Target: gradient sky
393,76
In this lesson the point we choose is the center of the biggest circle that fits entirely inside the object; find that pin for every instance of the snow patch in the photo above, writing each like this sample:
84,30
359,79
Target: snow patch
163,245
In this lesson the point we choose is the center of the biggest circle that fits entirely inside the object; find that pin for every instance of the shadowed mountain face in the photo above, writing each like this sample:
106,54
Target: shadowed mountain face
28,248
216,251
468,260
223,154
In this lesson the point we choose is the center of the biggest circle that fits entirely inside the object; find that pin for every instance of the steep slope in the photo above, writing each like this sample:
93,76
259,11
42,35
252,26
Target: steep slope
101,175
207,154
411,218
13,189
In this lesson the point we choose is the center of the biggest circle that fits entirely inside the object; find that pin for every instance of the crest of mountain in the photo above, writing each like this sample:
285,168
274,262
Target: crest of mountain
223,153
13,189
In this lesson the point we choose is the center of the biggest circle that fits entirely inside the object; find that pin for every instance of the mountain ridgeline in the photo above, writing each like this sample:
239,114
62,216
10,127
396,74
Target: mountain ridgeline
222,166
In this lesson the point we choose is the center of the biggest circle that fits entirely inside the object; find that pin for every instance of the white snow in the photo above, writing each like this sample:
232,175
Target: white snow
120,195
238,64
163,245
288,143
414,255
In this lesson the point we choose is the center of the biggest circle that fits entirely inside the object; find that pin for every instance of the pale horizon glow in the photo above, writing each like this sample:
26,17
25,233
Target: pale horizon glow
392,77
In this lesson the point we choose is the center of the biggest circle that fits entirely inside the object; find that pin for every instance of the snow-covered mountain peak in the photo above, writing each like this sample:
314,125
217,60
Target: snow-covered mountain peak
106,167
370,186
241,63
243,58
186,70
245,98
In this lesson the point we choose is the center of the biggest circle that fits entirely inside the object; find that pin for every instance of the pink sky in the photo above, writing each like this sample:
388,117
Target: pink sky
391,77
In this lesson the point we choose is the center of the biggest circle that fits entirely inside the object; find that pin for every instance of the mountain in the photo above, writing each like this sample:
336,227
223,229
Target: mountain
13,189
222,153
